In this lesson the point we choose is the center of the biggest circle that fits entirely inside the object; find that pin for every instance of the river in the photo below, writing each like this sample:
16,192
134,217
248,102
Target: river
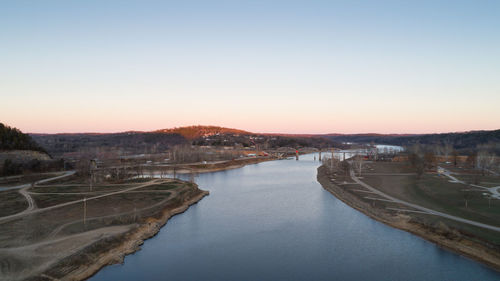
274,221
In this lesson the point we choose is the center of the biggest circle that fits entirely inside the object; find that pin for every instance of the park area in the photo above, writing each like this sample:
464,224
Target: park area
455,191
57,226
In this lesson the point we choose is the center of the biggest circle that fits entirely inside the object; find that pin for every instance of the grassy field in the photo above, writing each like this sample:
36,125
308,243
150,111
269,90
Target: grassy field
436,192
13,181
11,202
41,236
77,188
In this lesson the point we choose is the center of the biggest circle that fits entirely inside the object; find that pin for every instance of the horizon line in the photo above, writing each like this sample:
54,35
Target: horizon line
262,133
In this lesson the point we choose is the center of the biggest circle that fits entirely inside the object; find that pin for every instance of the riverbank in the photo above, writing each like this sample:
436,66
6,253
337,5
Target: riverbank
60,240
220,165
438,233
113,249
131,241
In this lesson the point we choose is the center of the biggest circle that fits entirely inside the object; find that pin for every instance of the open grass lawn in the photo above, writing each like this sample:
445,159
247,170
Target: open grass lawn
47,200
388,167
11,202
163,186
438,193
486,181
72,193
115,210
483,234
24,179
76,188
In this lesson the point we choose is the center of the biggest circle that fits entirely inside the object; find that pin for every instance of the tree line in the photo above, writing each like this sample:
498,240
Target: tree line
14,139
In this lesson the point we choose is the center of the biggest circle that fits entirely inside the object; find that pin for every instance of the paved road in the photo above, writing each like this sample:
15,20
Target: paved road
420,208
494,190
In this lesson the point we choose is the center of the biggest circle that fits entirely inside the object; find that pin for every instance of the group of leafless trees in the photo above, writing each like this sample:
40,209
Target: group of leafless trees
98,164
423,157
335,164
192,154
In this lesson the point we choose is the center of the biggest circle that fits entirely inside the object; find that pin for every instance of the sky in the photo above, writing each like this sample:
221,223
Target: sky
262,66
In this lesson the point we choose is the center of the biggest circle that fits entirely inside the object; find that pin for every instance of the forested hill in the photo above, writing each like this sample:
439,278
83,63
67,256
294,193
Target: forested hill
194,132
460,141
126,143
14,139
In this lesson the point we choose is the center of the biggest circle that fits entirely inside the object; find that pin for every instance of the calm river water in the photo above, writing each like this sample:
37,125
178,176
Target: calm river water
274,221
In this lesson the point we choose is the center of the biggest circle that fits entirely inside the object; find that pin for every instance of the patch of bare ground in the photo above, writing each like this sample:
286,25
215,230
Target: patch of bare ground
447,234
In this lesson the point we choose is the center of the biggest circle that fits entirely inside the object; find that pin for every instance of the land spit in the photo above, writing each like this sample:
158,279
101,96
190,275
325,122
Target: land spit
66,238
128,242
440,234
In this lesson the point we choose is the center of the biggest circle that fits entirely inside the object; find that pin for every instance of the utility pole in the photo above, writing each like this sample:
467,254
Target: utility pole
92,165
332,157
85,212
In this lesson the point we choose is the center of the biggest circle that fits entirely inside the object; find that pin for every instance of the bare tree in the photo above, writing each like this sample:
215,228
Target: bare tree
455,157
447,149
484,160
429,159
358,163
471,159
416,159
345,166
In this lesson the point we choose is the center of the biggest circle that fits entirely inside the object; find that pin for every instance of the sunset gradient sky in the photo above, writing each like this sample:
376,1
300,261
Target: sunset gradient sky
263,66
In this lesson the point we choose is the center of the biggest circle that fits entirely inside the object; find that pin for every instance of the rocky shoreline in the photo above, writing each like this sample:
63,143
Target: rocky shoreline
447,239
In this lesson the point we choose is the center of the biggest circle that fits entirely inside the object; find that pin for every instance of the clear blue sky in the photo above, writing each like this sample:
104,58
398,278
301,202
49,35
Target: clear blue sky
268,66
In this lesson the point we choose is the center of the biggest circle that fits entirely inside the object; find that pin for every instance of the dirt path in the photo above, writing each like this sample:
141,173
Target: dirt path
420,208
32,210
23,190
31,203
61,227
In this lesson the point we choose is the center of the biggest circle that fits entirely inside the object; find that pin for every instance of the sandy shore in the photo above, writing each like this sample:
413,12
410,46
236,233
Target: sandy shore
445,238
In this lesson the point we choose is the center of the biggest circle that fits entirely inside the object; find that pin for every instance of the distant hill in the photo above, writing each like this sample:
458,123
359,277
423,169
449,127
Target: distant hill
124,143
161,140
76,144
14,139
464,141
195,132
